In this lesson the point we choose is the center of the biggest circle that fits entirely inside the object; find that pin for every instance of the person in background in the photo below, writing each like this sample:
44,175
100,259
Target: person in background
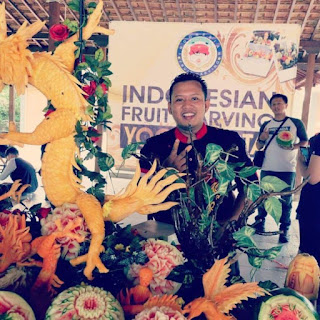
308,211
183,146
18,168
280,161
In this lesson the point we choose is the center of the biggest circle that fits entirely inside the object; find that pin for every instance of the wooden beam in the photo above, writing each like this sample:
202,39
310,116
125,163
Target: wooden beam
307,15
179,9
257,12
308,88
164,11
116,10
311,46
131,10
194,9
216,11
291,10
148,10
276,12
304,66
315,29
235,11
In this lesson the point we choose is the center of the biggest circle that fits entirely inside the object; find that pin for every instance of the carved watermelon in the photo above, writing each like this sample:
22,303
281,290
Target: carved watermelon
12,306
285,139
285,304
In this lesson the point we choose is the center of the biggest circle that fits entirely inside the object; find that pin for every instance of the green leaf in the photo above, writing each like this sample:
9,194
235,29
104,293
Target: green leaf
272,253
106,163
130,149
236,164
247,172
253,192
107,81
72,25
99,55
254,258
207,193
92,5
82,66
225,170
274,208
223,186
273,184
99,92
74,5
268,285
213,152
244,237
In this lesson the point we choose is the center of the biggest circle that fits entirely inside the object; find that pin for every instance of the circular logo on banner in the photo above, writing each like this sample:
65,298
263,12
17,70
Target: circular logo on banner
199,52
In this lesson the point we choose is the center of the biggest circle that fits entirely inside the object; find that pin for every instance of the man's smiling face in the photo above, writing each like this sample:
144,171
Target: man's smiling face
188,105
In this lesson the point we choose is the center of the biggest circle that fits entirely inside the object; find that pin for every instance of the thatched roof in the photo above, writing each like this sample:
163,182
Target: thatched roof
303,12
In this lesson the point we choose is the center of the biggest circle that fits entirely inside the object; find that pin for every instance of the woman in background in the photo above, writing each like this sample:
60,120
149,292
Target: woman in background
308,210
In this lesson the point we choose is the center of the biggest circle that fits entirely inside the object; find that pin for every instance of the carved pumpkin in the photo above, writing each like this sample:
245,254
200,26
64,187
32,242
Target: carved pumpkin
303,276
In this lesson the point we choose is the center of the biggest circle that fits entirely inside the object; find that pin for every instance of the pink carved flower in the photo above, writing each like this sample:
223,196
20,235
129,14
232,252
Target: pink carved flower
70,247
163,257
160,313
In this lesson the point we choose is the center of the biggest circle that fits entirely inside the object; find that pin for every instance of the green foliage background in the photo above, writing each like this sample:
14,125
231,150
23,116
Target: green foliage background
4,110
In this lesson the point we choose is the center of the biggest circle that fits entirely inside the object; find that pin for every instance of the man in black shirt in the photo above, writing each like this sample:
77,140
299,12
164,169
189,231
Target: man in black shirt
184,146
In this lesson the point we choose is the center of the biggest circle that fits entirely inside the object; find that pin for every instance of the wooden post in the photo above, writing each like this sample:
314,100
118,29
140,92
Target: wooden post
308,88
54,18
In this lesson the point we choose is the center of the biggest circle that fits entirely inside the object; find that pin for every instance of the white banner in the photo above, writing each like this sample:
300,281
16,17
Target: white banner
243,65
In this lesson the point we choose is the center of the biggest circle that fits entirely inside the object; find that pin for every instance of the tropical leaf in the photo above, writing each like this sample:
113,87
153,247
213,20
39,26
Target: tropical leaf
130,149
272,253
273,184
213,152
223,186
244,237
99,55
273,207
225,170
208,194
255,257
253,192
247,172
106,163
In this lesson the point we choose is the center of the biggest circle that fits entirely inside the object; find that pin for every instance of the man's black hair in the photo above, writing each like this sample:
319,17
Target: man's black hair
279,95
12,150
189,77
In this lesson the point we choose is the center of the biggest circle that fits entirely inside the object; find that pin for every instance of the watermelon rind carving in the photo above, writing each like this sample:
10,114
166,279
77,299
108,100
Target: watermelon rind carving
285,139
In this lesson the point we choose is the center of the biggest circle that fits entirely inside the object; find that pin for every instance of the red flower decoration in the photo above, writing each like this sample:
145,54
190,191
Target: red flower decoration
90,89
59,32
104,88
43,212
94,139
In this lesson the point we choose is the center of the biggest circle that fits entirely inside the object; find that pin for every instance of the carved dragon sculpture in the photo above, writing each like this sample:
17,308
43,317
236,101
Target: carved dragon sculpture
51,74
